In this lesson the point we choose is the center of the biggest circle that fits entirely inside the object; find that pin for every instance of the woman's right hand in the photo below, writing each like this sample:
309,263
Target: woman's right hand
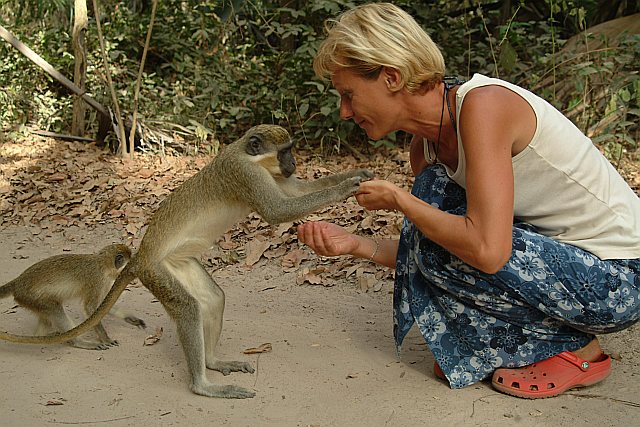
327,239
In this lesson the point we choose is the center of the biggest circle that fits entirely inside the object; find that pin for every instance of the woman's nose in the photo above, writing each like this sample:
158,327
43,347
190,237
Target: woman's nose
345,110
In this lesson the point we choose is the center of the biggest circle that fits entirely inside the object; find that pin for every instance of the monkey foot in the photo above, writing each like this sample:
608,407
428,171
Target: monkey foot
224,391
94,345
228,366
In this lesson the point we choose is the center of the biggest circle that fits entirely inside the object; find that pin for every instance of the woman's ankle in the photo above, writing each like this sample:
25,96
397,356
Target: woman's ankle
590,352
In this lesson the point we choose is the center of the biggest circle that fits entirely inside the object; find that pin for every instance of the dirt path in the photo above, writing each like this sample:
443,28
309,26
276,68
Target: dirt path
333,362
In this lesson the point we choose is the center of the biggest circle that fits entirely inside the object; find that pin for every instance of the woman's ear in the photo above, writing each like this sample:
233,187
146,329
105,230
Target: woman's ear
392,78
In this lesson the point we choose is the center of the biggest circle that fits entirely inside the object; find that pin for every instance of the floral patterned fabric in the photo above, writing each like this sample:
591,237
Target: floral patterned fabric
550,297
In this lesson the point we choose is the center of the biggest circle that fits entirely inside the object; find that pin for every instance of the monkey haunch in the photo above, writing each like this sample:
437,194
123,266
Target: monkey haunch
255,173
44,287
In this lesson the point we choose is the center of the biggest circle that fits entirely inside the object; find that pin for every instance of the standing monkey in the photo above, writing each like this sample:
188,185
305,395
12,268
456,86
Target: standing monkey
255,173
46,285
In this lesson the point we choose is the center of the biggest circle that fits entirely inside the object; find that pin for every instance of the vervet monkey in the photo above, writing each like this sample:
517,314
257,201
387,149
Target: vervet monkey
254,173
44,287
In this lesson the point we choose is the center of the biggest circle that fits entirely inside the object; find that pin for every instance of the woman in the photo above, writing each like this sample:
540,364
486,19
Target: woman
520,240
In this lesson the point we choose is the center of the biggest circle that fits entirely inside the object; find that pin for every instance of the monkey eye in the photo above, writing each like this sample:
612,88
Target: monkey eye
119,260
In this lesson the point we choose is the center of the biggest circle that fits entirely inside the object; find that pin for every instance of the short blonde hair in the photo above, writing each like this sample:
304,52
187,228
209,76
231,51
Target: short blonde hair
372,36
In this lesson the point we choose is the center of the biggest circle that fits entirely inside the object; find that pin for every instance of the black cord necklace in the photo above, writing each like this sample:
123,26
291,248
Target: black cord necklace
449,83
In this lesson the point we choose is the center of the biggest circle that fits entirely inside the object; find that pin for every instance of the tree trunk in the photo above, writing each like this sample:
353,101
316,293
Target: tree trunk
80,25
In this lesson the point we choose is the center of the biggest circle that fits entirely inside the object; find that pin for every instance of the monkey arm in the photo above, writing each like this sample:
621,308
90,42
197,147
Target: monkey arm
278,207
128,317
294,186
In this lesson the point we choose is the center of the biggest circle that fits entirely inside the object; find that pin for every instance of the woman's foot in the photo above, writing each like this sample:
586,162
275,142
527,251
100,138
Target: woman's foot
553,376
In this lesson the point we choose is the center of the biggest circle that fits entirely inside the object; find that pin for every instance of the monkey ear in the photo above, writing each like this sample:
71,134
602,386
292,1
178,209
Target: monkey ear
254,146
119,261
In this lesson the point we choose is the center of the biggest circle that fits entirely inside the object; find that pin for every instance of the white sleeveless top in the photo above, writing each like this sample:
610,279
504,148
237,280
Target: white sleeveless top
563,185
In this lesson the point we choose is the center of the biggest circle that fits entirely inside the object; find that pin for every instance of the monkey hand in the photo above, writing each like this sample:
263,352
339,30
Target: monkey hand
107,345
103,344
364,174
349,186
135,322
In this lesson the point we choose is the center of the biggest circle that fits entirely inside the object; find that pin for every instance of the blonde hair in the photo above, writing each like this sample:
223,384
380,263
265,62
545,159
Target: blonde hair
372,36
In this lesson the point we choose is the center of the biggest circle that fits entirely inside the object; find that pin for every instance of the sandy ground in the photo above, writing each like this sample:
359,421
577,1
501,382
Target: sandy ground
333,362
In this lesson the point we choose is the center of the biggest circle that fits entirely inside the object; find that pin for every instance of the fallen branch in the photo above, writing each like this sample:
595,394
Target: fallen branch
61,136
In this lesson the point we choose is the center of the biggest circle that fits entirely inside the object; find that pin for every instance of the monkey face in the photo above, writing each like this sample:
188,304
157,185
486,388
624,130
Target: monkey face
271,147
286,160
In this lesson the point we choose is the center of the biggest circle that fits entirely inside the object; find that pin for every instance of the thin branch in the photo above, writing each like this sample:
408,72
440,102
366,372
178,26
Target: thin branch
121,137
92,422
138,82
486,29
506,33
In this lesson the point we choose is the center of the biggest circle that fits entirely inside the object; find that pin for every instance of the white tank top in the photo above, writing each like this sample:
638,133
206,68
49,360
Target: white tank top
563,185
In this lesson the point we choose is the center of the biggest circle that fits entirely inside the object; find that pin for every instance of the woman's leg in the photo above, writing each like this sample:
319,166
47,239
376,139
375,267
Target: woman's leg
529,311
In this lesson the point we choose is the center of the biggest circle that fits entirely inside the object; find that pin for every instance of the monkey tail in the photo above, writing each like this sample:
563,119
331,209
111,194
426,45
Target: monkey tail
6,290
126,276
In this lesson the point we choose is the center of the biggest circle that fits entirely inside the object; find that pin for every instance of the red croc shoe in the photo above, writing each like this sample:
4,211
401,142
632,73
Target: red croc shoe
551,377
437,371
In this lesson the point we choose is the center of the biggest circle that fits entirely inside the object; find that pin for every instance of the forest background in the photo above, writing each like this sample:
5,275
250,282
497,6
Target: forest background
215,68
212,69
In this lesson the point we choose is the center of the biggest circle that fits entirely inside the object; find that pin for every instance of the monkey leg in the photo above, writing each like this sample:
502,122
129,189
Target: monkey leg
104,339
211,301
44,326
176,296
60,321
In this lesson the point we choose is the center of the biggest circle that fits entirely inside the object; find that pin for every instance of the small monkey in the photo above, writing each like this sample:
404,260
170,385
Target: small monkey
254,173
46,285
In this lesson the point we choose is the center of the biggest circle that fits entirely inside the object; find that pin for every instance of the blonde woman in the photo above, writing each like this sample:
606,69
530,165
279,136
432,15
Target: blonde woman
520,241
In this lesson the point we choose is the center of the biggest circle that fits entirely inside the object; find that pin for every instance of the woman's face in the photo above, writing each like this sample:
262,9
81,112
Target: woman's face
369,102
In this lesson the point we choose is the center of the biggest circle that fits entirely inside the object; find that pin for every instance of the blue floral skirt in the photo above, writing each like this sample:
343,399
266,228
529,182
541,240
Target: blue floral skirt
550,297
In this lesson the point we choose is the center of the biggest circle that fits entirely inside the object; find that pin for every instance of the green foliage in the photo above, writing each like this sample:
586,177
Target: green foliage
29,95
216,67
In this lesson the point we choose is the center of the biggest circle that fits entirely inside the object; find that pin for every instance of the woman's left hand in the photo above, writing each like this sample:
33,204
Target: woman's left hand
378,194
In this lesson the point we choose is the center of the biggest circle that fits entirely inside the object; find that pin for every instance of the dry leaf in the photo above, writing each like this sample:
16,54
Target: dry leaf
254,250
152,339
293,259
262,348
366,282
282,228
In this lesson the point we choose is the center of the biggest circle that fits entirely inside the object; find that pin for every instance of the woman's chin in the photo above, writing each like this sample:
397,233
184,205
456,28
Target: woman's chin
371,133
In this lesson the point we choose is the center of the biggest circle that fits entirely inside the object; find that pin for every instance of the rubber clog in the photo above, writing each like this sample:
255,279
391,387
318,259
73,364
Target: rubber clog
551,377
437,371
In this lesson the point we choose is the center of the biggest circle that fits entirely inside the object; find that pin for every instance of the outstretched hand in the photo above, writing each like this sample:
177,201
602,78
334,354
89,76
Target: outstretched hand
327,239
